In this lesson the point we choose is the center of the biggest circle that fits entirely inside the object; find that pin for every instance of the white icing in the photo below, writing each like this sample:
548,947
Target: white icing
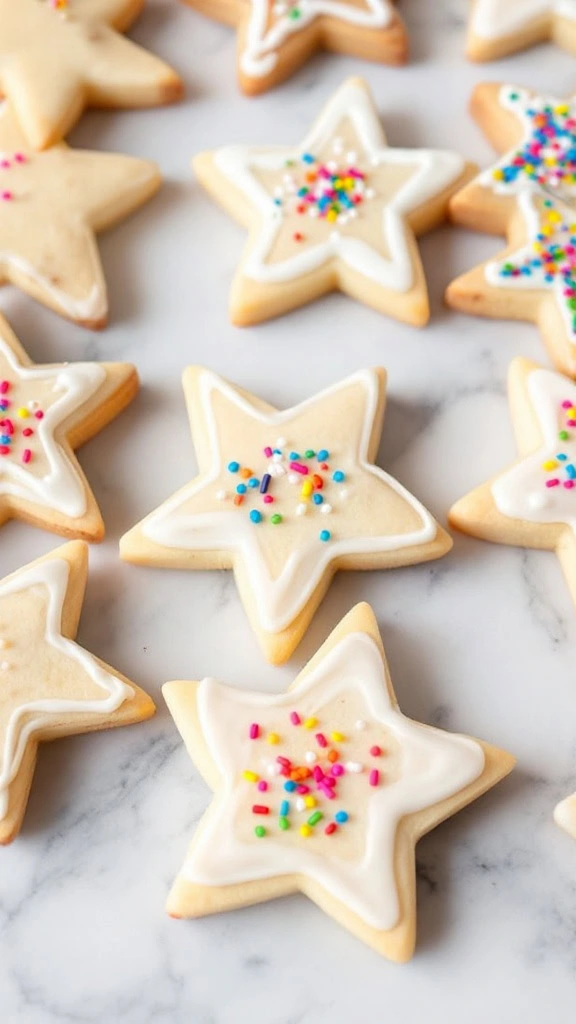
61,487
278,600
32,716
433,767
513,492
94,306
495,19
260,55
434,170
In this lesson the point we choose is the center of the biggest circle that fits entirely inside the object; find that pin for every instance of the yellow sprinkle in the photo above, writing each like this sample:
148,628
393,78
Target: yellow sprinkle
498,174
273,738
571,413
331,216
337,737
23,412
250,776
305,831
554,217
307,488
549,465
310,723
309,801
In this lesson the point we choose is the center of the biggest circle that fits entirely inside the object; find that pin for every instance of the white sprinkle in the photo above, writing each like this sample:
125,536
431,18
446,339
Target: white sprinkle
221,495
353,214
354,766
274,769
4,666
342,218
277,457
293,478
370,193
351,156
278,191
312,212
310,757
360,724
326,509
332,165
300,805
33,405
343,494
301,509
280,443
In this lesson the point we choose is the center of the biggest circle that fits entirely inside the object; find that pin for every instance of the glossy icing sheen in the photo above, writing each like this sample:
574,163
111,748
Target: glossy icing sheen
527,490
494,19
56,484
267,32
280,598
34,715
433,171
433,766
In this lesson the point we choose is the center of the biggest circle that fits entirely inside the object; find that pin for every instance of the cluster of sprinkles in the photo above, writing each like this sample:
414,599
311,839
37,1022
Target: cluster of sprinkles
560,469
547,157
17,423
308,471
552,257
331,191
7,163
307,790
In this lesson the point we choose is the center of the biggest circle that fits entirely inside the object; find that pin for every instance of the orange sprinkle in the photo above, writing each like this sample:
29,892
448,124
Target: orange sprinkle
245,473
332,755
238,499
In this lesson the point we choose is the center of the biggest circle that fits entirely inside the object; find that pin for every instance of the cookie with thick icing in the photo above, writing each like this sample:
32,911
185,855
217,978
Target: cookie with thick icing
341,211
49,685
51,204
276,38
527,195
58,56
46,411
285,499
324,789
500,27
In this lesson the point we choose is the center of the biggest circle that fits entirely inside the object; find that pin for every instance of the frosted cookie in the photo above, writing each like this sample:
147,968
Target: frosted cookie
527,195
325,789
533,503
58,56
340,211
45,413
275,39
51,203
285,499
500,27
49,686
565,815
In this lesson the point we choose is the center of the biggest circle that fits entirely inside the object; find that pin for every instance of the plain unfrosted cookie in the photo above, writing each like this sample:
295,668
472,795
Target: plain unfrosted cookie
286,499
46,411
500,27
276,38
49,686
340,211
527,195
58,56
51,204
325,789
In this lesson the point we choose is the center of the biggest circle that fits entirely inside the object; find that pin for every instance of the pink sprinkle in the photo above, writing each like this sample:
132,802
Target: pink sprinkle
20,158
295,718
4,164
262,785
268,452
569,484
6,195
553,482
297,467
329,781
4,387
337,769
284,761
27,432
321,739
39,414
302,789
26,456
4,449
328,793
374,777
375,750
268,499
254,731
571,423
567,404
317,773
330,828
8,427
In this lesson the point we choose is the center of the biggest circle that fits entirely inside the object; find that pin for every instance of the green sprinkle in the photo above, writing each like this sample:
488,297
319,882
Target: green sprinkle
315,818
563,435
260,831
309,454
276,518
294,14
283,823
513,96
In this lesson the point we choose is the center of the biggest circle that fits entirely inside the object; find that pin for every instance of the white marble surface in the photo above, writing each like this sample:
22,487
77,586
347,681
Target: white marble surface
481,642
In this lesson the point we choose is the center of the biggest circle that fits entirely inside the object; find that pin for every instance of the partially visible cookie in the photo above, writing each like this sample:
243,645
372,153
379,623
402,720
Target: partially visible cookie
46,411
49,686
565,815
342,210
325,789
276,38
51,203
58,56
528,196
500,27
285,499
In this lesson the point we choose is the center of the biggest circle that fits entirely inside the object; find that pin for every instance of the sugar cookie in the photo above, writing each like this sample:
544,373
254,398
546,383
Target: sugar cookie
275,39
285,499
527,195
336,804
500,27
340,211
49,686
51,203
565,814
57,56
46,411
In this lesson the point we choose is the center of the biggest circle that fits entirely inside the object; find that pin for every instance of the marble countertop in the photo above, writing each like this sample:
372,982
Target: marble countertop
481,642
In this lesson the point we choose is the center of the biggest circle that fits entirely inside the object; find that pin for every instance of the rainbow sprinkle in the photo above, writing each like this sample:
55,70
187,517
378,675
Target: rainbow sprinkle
8,163
17,428
548,155
560,470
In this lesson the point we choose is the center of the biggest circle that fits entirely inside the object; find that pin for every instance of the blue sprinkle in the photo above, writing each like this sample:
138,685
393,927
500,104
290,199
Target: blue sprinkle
338,476
256,516
253,481
294,456
284,808
317,499
561,457
323,454
341,817
233,467
241,489
325,535
570,471
290,786
5,439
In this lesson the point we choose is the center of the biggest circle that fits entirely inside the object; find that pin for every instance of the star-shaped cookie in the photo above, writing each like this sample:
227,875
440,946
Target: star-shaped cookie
565,814
51,203
324,789
49,686
45,412
58,56
285,499
340,211
500,27
276,38
528,195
